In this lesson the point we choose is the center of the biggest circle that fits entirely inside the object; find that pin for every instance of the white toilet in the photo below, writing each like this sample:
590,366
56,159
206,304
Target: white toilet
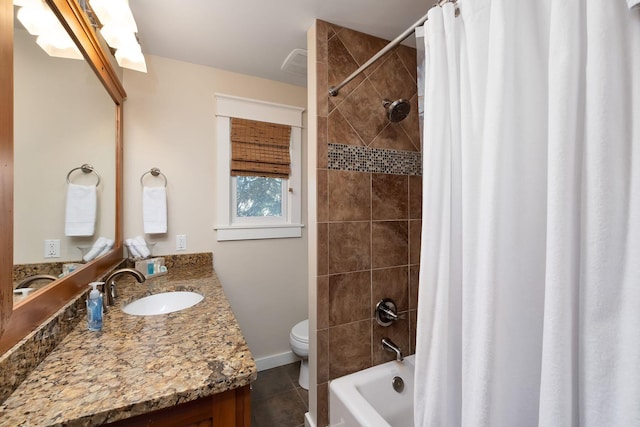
299,341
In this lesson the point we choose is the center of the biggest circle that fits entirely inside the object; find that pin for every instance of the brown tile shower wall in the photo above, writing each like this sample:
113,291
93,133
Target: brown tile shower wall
368,220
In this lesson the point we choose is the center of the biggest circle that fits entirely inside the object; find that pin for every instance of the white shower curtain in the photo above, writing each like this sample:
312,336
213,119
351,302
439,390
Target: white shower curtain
529,299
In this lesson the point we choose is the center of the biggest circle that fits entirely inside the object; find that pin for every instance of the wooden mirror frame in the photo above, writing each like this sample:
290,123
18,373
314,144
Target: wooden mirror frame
18,321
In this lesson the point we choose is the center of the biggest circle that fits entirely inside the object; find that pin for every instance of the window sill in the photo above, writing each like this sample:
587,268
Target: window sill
257,232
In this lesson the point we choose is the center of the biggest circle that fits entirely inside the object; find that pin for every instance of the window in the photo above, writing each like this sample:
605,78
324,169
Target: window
258,197
258,169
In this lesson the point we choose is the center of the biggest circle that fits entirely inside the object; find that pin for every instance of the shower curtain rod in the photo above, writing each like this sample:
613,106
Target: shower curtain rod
333,90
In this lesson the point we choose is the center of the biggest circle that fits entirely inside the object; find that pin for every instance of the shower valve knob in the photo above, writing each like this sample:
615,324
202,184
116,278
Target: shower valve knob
387,312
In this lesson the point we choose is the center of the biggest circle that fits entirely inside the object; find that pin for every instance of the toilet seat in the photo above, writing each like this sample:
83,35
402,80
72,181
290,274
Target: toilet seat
300,332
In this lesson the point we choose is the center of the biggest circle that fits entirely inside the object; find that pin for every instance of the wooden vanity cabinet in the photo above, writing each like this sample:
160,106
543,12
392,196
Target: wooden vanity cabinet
231,408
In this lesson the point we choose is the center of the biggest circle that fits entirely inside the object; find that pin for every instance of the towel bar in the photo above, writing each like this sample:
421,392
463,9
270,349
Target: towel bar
86,168
154,172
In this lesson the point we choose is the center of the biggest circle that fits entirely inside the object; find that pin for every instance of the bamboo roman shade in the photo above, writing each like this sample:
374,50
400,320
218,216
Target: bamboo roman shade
260,149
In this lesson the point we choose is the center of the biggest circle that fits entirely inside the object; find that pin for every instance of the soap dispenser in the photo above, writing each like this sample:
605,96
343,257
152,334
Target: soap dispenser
94,308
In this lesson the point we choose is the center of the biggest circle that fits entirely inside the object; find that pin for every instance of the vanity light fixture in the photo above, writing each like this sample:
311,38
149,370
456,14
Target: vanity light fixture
39,21
119,31
132,59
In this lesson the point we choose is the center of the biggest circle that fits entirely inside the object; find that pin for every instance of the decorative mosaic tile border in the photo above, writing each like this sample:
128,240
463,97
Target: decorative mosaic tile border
375,160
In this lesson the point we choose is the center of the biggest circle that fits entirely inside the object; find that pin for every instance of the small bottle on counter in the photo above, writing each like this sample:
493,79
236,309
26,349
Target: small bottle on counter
94,308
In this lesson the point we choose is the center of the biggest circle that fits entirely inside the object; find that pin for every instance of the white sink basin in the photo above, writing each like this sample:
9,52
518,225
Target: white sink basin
163,303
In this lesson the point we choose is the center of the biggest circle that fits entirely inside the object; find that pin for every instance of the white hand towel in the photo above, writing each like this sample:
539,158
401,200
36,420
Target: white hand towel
80,218
132,248
632,3
141,246
154,210
107,247
96,249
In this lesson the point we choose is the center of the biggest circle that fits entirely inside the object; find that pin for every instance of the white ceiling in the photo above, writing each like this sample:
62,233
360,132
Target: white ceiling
254,37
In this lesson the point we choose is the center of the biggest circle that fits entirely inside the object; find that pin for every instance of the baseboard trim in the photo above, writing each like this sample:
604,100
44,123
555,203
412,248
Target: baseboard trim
276,360
308,422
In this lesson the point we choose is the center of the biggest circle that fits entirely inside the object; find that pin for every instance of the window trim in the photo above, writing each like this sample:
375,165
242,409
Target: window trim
228,106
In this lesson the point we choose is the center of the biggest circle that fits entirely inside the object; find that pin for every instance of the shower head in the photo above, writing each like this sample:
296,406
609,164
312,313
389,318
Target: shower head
396,110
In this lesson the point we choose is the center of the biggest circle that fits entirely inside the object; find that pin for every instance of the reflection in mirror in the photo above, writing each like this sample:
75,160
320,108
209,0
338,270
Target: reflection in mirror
63,118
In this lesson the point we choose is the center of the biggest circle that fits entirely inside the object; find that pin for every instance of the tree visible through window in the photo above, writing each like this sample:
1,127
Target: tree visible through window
258,196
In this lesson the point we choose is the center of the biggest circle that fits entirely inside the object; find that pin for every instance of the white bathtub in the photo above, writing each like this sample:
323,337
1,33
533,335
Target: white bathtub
368,399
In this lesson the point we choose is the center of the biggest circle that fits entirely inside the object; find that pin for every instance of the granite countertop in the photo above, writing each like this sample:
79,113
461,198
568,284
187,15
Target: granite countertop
137,364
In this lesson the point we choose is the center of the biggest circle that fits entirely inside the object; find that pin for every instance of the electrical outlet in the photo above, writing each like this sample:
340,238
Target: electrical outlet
52,248
181,242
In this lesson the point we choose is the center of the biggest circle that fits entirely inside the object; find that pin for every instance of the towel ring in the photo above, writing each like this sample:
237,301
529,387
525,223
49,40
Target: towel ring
86,168
154,172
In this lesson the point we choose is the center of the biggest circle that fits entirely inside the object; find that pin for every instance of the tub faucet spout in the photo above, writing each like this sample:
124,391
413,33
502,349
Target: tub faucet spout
390,346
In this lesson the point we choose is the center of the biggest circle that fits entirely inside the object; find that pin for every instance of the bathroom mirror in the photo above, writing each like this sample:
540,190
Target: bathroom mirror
63,118
17,321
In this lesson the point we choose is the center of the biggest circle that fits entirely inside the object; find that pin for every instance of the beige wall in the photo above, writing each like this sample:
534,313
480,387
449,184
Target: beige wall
170,124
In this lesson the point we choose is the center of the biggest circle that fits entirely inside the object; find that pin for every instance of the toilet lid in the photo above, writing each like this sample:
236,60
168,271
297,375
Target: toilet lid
301,331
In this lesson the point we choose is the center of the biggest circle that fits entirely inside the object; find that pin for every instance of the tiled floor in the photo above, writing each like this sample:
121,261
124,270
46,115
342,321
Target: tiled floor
277,400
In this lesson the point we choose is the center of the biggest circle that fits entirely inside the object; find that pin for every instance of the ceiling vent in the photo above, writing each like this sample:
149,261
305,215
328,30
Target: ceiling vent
296,63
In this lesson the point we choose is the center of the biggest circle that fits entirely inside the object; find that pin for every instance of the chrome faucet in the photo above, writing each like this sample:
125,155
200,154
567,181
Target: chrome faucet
109,288
25,282
390,346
